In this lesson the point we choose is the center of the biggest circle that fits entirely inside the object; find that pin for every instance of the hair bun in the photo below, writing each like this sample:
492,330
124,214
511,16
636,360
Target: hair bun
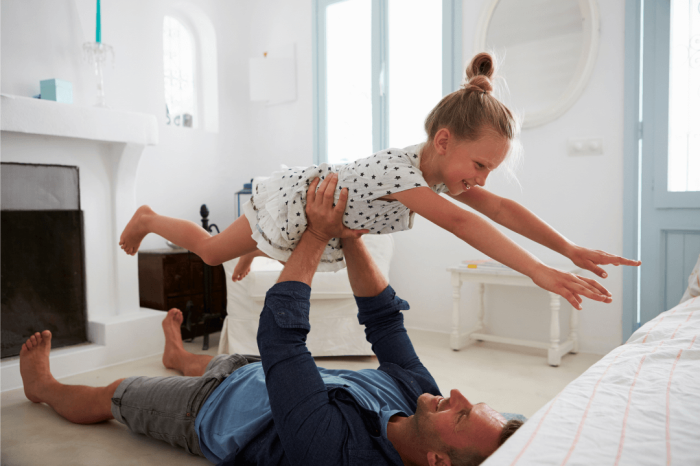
479,73
479,84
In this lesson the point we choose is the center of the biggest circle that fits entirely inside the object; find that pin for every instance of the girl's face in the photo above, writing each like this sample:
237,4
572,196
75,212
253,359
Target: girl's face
465,164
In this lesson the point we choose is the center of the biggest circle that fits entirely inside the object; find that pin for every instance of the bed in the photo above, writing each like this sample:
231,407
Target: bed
638,405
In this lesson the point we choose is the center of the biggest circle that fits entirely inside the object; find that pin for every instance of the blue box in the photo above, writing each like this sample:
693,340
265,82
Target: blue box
58,90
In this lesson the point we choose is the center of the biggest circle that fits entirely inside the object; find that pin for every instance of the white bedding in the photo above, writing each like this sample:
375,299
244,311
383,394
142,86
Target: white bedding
639,405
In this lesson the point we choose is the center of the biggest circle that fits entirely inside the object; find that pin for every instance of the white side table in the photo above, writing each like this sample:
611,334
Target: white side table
483,277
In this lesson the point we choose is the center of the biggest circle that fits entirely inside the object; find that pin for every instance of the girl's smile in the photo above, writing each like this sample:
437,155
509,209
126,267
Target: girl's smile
462,165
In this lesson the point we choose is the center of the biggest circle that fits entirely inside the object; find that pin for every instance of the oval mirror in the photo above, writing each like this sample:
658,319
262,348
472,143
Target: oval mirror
546,51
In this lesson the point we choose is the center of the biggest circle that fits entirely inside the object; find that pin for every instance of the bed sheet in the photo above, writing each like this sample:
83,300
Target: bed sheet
639,405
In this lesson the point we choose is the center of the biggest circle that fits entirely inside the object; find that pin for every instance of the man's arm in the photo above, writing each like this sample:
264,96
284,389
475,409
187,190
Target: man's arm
365,277
325,221
311,430
380,309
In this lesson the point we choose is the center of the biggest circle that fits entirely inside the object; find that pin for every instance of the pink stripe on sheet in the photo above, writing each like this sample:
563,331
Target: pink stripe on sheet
668,402
652,328
679,325
627,411
668,410
629,402
585,412
691,301
517,458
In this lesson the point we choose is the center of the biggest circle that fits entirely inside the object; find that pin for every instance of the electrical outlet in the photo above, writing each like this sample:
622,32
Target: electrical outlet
593,146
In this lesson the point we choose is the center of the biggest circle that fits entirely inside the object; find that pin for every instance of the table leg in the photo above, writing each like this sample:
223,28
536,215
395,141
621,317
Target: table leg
456,293
480,316
573,329
553,354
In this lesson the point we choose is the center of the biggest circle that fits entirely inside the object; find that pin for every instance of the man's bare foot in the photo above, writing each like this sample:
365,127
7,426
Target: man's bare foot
34,365
135,231
243,266
173,339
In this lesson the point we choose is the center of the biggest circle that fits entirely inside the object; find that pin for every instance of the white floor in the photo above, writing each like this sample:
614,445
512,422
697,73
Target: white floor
510,379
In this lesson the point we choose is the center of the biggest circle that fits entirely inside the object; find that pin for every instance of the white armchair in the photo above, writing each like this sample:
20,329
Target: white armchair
335,330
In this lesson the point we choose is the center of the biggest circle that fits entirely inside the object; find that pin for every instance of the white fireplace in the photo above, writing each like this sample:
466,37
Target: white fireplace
106,145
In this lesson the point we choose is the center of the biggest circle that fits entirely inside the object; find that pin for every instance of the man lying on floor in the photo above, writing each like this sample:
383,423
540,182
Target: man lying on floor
285,410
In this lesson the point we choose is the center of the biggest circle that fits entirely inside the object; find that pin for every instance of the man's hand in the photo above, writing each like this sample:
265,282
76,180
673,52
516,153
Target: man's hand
325,218
325,221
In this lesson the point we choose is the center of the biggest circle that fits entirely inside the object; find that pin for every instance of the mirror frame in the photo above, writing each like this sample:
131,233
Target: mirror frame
591,19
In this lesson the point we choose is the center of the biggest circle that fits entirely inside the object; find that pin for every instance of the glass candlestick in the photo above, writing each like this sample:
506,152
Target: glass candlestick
96,54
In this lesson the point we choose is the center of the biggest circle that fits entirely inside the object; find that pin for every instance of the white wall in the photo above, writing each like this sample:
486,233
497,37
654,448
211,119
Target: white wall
282,133
581,197
43,39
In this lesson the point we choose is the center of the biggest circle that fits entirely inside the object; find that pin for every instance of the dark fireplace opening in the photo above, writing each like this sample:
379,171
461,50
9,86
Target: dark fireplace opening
42,247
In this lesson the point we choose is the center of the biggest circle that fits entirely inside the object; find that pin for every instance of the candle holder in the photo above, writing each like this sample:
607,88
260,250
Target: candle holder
96,54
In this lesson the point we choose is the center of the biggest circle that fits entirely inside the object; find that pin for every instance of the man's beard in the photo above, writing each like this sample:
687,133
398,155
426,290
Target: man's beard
422,427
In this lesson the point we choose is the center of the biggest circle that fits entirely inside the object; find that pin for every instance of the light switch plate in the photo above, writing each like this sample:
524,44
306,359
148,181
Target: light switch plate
578,146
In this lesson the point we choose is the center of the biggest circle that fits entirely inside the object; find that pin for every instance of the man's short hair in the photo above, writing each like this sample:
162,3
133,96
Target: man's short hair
471,457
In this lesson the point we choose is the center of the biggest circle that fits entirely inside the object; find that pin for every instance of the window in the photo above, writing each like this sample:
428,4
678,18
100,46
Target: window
684,97
415,67
379,67
349,80
179,71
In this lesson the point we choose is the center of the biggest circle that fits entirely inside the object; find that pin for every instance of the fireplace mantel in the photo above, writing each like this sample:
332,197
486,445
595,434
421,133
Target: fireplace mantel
107,146
36,116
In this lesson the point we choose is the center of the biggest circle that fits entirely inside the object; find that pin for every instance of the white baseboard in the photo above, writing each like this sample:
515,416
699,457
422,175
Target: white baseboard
113,340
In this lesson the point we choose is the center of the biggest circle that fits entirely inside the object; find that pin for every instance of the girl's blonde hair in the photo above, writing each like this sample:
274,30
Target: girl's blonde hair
472,111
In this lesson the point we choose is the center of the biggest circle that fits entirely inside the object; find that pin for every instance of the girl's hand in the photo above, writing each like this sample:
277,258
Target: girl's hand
324,216
590,260
571,286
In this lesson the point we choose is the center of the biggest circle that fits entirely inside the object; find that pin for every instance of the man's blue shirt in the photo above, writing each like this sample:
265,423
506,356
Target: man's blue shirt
239,409
312,421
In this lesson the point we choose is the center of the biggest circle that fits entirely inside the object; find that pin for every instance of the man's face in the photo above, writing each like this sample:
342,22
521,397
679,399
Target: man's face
458,423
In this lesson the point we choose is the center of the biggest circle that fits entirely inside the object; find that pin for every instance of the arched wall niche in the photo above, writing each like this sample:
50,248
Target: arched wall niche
207,83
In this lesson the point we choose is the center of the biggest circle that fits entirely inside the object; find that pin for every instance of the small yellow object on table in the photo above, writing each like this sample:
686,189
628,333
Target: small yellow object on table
488,272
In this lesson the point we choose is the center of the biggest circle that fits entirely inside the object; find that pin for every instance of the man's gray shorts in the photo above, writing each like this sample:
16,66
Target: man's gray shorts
165,407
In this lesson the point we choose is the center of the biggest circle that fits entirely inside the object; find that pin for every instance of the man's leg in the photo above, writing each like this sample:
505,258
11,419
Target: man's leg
77,403
87,405
365,277
175,356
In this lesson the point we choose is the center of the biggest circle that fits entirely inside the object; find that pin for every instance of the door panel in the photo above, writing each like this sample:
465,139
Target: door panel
669,224
682,250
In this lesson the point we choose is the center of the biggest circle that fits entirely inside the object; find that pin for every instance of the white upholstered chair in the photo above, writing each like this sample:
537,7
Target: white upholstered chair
335,330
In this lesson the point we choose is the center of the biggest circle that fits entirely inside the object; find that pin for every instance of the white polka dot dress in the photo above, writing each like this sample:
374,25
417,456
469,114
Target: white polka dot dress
276,210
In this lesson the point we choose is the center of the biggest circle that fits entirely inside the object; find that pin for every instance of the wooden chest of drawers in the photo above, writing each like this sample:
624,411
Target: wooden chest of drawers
170,278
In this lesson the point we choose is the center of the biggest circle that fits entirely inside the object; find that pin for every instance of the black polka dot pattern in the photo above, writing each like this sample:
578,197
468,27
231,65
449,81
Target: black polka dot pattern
394,171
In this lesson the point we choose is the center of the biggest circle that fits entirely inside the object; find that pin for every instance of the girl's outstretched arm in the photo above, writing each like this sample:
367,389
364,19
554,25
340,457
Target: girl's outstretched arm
482,235
519,219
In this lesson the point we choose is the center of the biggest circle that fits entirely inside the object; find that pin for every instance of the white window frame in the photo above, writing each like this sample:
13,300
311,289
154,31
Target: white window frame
451,68
195,74
206,63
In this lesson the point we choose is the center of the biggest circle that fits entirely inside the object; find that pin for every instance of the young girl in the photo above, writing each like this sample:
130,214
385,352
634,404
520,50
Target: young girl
470,133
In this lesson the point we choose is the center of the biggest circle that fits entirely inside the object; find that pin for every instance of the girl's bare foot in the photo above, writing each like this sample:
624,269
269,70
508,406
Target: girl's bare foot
135,230
243,266
34,366
173,339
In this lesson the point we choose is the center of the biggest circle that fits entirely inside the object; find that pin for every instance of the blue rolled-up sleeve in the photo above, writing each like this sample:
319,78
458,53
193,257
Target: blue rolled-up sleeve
311,429
384,327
